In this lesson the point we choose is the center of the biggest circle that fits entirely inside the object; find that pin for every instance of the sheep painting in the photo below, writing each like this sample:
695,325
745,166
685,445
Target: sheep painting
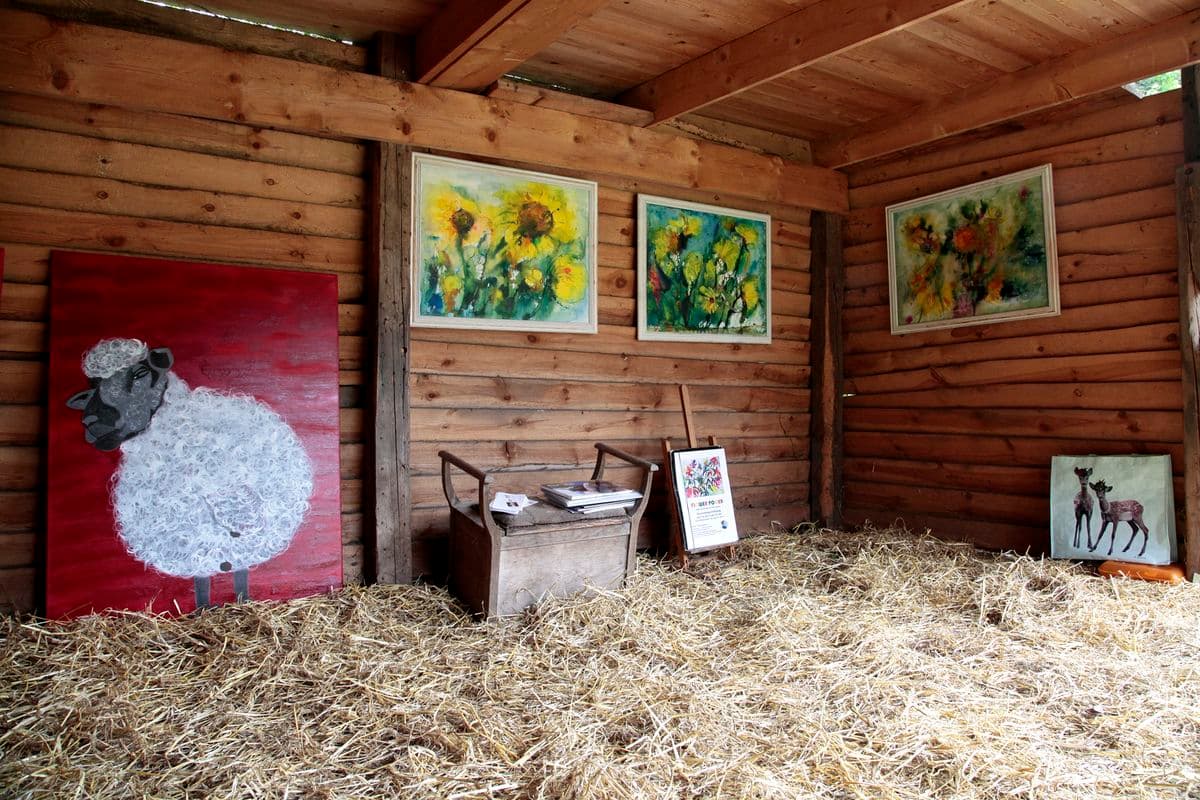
208,482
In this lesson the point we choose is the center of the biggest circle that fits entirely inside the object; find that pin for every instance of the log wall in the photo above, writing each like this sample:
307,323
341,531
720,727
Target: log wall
89,177
954,429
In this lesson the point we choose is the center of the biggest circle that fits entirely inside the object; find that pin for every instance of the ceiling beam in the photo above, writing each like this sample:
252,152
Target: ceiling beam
824,29
1168,45
90,64
543,97
694,127
471,43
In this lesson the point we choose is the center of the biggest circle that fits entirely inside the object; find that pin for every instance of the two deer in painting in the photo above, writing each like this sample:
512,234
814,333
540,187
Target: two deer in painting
1112,512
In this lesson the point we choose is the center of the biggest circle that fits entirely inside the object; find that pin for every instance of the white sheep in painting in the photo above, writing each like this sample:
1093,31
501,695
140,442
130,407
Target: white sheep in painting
208,482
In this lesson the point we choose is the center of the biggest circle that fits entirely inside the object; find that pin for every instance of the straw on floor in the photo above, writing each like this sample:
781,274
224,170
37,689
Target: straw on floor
820,664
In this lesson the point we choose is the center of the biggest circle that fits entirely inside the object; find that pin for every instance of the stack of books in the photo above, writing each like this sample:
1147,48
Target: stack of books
589,497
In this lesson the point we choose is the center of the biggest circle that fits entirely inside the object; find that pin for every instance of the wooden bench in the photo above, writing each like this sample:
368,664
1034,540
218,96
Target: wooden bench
503,563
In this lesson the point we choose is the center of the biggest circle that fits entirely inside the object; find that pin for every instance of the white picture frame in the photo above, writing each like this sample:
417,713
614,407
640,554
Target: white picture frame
978,254
672,297
497,248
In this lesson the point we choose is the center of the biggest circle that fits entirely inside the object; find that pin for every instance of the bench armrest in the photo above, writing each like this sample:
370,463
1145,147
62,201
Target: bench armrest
648,470
485,491
607,449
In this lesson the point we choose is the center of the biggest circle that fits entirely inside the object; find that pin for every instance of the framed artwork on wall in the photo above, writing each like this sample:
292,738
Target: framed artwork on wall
704,272
974,255
501,248
1118,507
193,435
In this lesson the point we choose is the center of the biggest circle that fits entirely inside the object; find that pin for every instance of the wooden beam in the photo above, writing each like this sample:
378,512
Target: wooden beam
828,288
453,31
471,43
707,129
755,140
1168,45
388,533
543,97
83,63
819,31
1187,182
136,15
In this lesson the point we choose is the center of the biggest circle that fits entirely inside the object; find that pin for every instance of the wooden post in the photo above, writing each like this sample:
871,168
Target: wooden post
828,284
1187,182
388,531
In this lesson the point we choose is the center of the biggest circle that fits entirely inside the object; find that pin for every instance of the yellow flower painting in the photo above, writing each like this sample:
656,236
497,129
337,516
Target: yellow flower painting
704,272
978,254
502,248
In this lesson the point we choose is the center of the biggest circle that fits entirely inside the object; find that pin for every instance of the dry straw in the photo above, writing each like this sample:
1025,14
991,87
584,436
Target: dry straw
819,665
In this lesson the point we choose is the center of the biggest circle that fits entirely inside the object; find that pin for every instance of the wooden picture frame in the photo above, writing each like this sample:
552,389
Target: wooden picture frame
501,249
974,255
688,290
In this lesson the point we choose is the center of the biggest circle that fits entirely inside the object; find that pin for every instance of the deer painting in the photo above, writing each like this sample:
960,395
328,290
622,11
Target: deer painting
1083,506
1116,511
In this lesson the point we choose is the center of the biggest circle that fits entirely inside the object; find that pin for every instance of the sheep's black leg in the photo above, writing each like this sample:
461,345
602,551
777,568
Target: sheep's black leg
241,584
203,585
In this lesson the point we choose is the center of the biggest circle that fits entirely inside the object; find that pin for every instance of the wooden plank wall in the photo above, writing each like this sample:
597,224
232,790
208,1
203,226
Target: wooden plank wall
99,178
954,430
526,400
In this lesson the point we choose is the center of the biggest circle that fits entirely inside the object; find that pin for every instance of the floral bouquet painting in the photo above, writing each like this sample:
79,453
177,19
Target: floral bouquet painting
502,248
977,254
704,272
702,477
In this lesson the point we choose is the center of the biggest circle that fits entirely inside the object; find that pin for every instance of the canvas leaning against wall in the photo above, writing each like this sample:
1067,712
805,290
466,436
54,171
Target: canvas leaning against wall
502,248
1112,507
704,272
193,435
974,255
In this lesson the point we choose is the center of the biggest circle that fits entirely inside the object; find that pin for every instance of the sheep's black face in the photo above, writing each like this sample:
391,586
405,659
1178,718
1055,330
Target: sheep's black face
120,406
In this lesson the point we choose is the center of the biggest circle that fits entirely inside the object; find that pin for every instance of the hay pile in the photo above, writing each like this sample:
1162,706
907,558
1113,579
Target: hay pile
819,665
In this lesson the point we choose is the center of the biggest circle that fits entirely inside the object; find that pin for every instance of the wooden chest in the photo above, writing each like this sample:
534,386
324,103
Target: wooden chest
500,564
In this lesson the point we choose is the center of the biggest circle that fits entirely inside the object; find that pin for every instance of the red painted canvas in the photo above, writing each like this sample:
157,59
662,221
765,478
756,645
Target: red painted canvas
193,435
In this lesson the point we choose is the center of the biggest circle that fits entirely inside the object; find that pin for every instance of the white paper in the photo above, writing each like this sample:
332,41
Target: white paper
508,503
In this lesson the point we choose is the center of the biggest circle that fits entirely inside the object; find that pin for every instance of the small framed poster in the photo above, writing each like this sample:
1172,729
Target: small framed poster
704,498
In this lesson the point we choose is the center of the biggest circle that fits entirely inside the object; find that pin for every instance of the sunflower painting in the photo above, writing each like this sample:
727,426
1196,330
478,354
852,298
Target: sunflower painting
502,248
704,272
977,254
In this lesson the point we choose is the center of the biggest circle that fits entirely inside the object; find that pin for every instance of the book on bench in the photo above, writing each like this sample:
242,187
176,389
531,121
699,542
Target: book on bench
576,494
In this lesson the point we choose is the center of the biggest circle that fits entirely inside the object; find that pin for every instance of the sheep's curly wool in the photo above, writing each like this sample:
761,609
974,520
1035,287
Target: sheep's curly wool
110,356
216,483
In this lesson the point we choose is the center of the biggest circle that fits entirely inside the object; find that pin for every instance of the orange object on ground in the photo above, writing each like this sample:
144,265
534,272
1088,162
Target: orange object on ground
1168,573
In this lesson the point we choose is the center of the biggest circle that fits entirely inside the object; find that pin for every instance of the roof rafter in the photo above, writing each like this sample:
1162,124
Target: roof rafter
471,43
1168,45
822,30
693,126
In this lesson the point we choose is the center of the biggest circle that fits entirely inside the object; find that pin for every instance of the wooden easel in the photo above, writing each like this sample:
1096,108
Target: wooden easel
679,550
